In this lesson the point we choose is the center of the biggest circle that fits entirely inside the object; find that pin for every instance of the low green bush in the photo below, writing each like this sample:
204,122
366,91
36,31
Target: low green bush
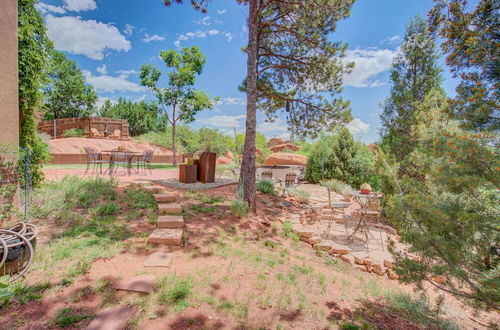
71,192
74,132
265,187
239,208
301,195
138,198
106,209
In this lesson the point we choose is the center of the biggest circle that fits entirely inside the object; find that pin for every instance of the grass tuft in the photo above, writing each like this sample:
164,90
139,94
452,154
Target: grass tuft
68,317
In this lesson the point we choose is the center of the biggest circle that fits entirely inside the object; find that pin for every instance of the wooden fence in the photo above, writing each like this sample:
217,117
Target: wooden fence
104,126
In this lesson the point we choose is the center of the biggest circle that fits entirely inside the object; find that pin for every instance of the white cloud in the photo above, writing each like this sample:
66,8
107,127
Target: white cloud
102,99
224,121
392,40
276,125
204,21
221,11
102,69
79,5
368,64
200,34
129,29
45,8
357,126
234,100
111,84
126,73
89,38
154,37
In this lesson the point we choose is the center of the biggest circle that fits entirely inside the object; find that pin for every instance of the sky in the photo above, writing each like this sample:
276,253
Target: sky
110,39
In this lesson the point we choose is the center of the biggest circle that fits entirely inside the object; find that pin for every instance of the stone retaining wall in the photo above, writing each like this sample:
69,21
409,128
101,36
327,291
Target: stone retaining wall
84,123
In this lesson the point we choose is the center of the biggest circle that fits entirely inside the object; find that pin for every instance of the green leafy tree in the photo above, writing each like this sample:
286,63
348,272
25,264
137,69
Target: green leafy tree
471,38
179,101
142,117
66,93
338,156
317,168
449,210
33,50
290,60
414,73
364,167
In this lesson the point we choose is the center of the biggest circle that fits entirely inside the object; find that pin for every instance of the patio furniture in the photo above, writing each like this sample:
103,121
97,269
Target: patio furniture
144,160
290,180
267,175
119,157
95,133
93,158
117,134
336,208
363,201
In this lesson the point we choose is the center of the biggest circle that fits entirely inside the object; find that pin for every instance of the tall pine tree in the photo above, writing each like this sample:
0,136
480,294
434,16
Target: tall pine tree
414,74
471,39
291,60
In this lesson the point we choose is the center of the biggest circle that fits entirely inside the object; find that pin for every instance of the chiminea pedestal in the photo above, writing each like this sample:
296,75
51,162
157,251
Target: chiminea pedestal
206,167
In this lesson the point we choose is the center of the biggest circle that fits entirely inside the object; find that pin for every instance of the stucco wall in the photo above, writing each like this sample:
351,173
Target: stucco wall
9,111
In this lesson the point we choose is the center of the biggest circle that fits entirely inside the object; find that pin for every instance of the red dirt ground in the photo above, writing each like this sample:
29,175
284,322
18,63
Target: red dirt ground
196,256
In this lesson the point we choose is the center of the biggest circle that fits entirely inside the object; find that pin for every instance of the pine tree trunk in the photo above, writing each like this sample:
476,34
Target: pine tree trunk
173,144
247,174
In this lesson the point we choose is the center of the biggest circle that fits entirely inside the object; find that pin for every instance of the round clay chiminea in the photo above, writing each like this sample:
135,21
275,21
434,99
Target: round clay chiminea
365,188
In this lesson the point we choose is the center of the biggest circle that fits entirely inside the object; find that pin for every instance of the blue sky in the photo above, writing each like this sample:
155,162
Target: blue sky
110,39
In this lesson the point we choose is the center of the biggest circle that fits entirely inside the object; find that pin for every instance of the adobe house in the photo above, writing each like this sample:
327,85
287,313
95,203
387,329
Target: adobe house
9,110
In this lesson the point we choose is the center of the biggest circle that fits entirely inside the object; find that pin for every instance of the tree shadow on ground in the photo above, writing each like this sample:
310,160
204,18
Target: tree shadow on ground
198,321
383,315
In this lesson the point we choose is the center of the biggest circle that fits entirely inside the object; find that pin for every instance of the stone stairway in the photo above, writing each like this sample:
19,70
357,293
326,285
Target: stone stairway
170,224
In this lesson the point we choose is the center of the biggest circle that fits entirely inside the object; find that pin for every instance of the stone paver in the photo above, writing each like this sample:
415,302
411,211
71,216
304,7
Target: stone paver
166,236
153,189
141,283
158,259
173,208
170,221
113,318
165,198
340,249
325,245
303,232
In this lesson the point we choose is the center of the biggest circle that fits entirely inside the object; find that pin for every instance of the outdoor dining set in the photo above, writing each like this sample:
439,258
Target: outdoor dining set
112,159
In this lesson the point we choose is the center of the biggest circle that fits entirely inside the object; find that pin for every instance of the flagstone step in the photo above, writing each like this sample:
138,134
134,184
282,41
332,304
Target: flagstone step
112,318
153,189
166,236
141,283
158,259
172,208
170,221
165,198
